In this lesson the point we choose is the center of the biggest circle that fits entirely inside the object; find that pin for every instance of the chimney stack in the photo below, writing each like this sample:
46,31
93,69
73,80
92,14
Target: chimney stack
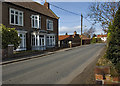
46,4
75,33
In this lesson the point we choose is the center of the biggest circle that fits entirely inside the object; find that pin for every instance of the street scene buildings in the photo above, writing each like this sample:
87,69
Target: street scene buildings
36,24
60,42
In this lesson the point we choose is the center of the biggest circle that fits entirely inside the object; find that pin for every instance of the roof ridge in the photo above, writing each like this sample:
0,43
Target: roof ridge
37,7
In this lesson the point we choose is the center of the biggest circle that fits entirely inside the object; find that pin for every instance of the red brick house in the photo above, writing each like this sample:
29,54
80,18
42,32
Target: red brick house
75,39
36,24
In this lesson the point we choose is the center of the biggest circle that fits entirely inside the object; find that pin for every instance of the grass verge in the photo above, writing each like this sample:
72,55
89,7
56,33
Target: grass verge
103,61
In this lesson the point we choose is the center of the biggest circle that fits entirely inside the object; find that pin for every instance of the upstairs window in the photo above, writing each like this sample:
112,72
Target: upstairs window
36,21
49,24
16,17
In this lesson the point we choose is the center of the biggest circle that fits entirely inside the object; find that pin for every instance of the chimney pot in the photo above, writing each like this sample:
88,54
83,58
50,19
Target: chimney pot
46,4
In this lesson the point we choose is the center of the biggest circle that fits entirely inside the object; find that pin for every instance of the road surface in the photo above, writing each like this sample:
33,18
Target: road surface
59,68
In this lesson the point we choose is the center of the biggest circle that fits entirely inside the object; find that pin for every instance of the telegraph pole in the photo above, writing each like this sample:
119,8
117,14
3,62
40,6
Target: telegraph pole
81,27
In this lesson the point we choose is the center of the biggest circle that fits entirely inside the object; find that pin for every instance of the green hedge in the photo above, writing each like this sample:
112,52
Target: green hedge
113,50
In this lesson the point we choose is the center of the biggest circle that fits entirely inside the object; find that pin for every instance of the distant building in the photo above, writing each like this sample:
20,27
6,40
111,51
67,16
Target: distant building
103,37
75,39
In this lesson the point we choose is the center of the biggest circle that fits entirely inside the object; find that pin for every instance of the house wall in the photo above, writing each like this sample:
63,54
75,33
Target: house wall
27,22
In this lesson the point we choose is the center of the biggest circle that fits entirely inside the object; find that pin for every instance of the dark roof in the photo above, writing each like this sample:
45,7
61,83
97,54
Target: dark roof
37,7
62,37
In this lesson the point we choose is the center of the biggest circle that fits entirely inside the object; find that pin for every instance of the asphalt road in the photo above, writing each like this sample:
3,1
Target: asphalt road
59,68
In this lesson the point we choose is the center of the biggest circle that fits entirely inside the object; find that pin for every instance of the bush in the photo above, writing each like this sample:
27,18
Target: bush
96,40
113,50
9,36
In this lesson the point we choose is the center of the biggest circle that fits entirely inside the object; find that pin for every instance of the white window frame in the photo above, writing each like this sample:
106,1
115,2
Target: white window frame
23,40
50,24
38,21
37,43
49,38
15,18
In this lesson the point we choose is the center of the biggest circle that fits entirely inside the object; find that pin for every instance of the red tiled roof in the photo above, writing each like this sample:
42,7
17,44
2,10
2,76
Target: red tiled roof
99,36
62,37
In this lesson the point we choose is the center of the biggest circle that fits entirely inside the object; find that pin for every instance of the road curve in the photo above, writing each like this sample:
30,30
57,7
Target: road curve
59,68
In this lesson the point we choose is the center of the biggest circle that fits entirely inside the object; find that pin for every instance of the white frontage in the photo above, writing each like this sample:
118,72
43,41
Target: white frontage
38,41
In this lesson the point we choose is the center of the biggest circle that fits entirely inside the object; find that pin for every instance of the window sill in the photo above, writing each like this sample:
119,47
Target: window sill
49,30
16,25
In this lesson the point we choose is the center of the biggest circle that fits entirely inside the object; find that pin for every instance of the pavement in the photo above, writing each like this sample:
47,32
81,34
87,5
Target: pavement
35,56
60,67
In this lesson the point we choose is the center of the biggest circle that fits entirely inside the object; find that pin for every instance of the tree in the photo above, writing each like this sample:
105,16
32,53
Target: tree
113,51
89,32
9,36
103,13
94,35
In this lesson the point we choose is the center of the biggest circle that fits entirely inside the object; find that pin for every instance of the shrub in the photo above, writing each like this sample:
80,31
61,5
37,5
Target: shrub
96,40
9,36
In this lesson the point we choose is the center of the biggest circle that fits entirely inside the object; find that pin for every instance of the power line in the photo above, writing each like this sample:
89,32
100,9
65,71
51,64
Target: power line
71,12
64,9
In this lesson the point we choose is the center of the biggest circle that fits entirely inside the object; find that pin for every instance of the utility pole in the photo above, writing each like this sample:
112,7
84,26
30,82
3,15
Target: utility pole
81,27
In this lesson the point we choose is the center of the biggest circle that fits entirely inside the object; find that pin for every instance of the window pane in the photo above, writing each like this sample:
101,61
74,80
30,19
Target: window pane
20,20
39,24
12,11
36,41
32,22
16,19
36,23
35,17
12,19
42,42
16,12
47,25
33,40
20,13
20,35
48,41
41,35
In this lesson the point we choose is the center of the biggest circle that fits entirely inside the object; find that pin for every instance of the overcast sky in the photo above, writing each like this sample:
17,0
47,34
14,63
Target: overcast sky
68,23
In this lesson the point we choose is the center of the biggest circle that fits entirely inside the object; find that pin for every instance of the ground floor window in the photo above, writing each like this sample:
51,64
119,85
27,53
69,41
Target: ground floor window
22,45
23,40
38,40
50,40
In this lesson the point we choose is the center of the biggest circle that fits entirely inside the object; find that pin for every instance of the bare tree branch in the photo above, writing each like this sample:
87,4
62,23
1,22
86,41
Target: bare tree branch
103,13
